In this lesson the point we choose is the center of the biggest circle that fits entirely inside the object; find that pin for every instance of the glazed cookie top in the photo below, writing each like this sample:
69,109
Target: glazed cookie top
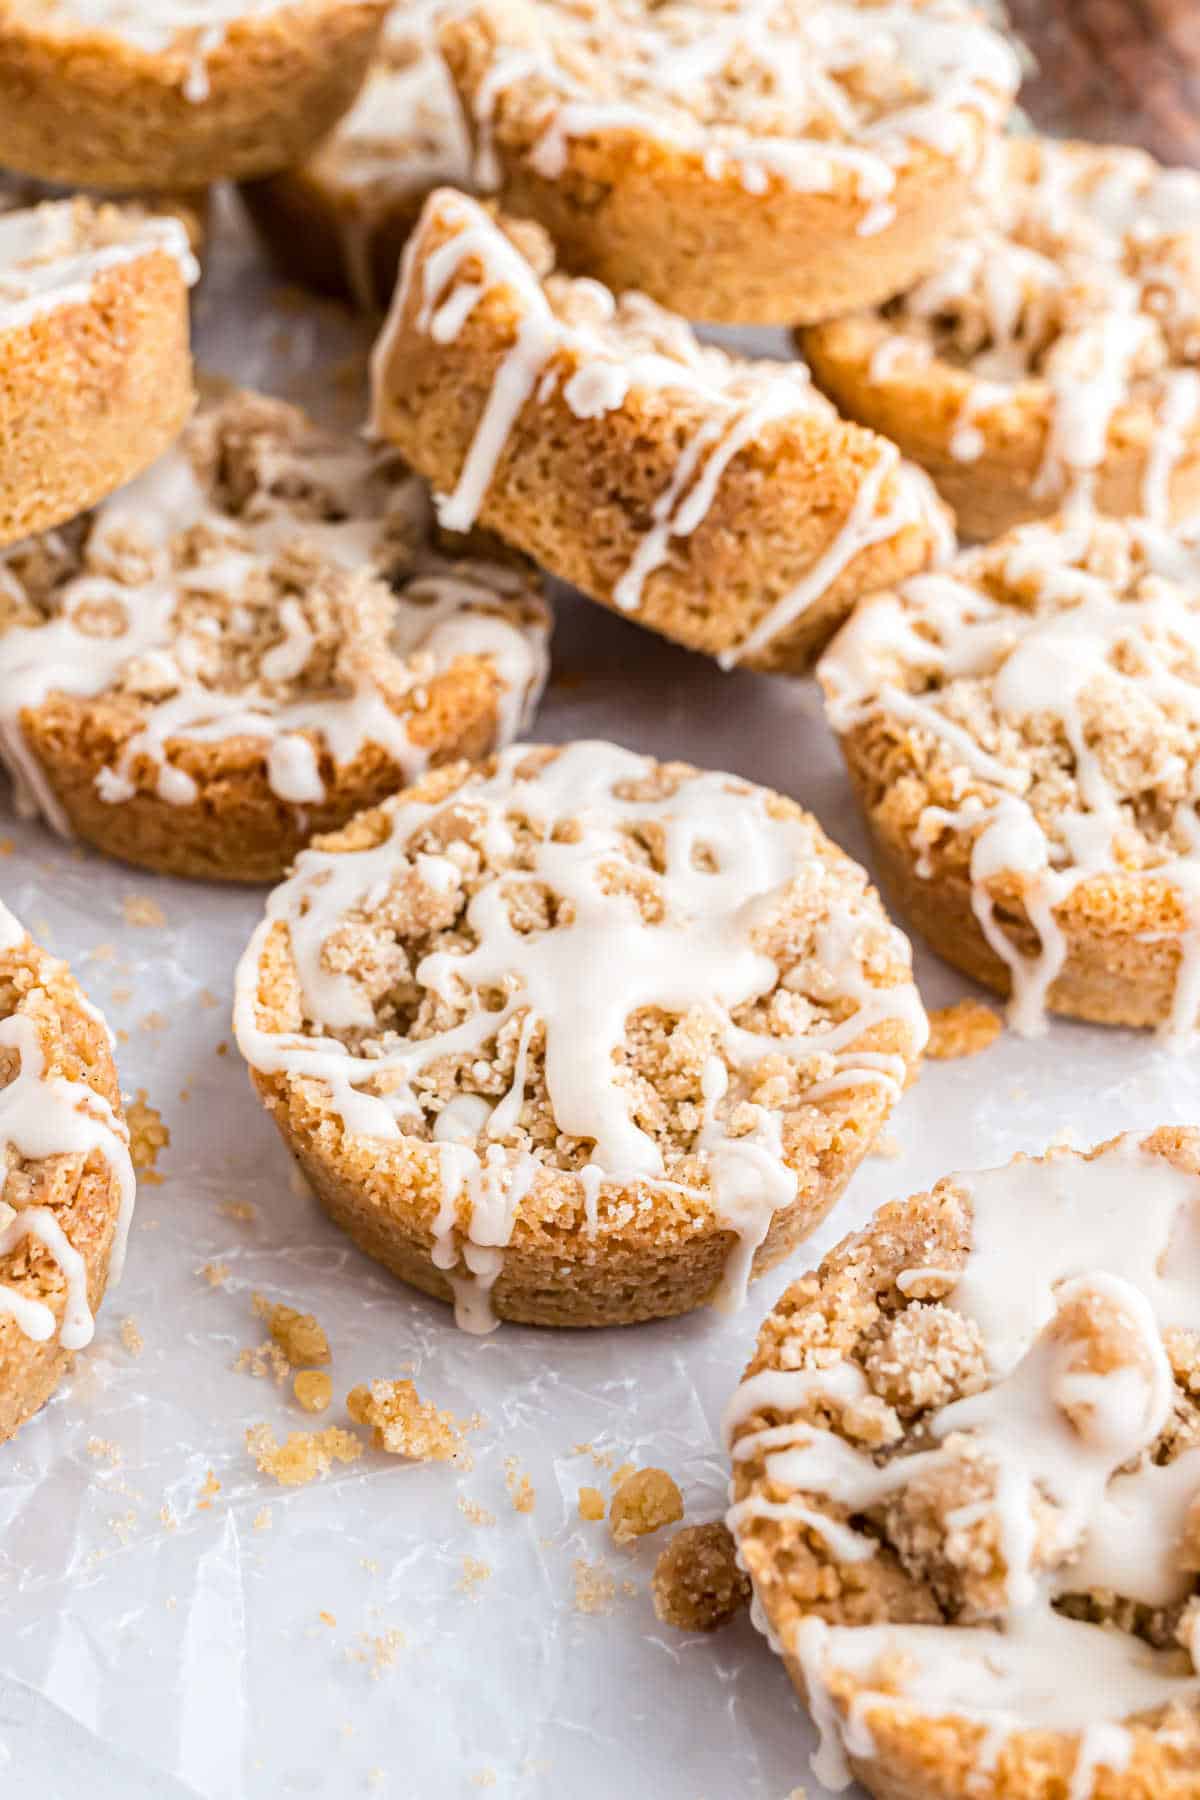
967,1458
590,980
265,580
806,92
52,255
602,352
1043,696
1081,272
54,1119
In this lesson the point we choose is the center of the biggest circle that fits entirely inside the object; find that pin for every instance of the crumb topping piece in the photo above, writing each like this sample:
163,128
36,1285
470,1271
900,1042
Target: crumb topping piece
405,1425
967,1455
304,1456
644,1502
50,255
298,1335
963,1029
697,1583
1043,696
582,961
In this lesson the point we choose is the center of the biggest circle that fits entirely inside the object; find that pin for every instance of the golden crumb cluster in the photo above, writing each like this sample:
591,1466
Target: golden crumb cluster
697,1584
405,1425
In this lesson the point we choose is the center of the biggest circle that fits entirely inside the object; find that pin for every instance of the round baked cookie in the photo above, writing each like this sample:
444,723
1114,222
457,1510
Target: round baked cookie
1053,354
339,221
1023,732
175,93
575,1037
717,500
95,370
260,636
760,162
67,1195
966,1483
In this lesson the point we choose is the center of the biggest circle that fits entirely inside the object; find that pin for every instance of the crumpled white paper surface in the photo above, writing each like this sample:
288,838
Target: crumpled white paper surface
161,1641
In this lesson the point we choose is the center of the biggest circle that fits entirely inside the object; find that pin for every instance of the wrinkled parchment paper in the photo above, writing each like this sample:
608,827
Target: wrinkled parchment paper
163,1638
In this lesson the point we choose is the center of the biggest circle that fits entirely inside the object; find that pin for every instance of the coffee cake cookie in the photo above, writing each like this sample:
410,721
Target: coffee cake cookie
261,635
1023,732
719,501
175,93
67,1197
95,371
966,1483
339,221
1053,355
578,1038
760,161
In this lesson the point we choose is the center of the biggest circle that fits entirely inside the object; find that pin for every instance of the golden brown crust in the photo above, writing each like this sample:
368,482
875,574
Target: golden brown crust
83,1191
84,107
578,493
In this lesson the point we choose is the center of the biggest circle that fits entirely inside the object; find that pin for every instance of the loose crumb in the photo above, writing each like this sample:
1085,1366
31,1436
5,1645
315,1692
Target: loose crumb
521,1490
697,1584
313,1389
244,1211
595,1589
405,1425
591,1503
147,1136
328,1618
262,1519
263,1361
474,1574
104,1449
475,1512
298,1334
131,1337
140,910
208,1492
622,1474
208,998
215,1273
961,1030
379,1651
305,1455
645,1502
167,1517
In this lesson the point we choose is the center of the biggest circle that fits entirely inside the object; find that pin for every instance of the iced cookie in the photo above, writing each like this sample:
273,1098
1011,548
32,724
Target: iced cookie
1023,732
95,371
175,93
67,1196
339,221
717,500
966,1483
258,637
578,1038
762,162
1053,354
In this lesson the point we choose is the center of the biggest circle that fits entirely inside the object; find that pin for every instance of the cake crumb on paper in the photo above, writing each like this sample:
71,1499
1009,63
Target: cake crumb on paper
298,1334
405,1425
644,1502
474,1574
243,1211
104,1450
591,1503
521,1490
378,1650
963,1029
595,1588
147,1136
313,1389
209,1490
697,1584
304,1456
215,1273
131,1337
263,1361
475,1512
263,1519
141,911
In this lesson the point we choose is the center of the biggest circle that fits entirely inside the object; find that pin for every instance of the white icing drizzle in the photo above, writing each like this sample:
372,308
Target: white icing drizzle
52,255
1077,273
44,1116
165,566
614,349
1081,638
197,28
1119,1230
727,865
767,90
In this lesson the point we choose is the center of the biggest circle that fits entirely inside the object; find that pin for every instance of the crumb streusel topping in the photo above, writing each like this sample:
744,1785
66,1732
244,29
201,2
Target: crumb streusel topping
50,255
581,961
1044,691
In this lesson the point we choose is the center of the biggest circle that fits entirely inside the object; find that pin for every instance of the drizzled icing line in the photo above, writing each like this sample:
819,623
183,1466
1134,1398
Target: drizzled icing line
726,864
164,543
803,60
1054,1244
1079,636
44,1116
194,29
52,255
439,289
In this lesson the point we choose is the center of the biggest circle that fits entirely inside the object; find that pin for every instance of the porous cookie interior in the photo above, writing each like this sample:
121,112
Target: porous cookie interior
793,88
262,579
967,1454
583,963
57,1132
1043,699
51,254
1081,268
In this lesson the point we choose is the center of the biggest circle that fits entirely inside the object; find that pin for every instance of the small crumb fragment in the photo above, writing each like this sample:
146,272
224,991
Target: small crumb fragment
298,1334
104,1449
131,1337
405,1425
591,1503
379,1651
208,1492
167,1517
486,1778
474,1574
697,1584
313,1389
215,1273
7,846
520,1489
644,1502
154,1021
208,998
622,1474
595,1589
147,1136
263,1361
140,910
305,1455
475,1512
327,1618
262,1519
243,1211
961,1030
